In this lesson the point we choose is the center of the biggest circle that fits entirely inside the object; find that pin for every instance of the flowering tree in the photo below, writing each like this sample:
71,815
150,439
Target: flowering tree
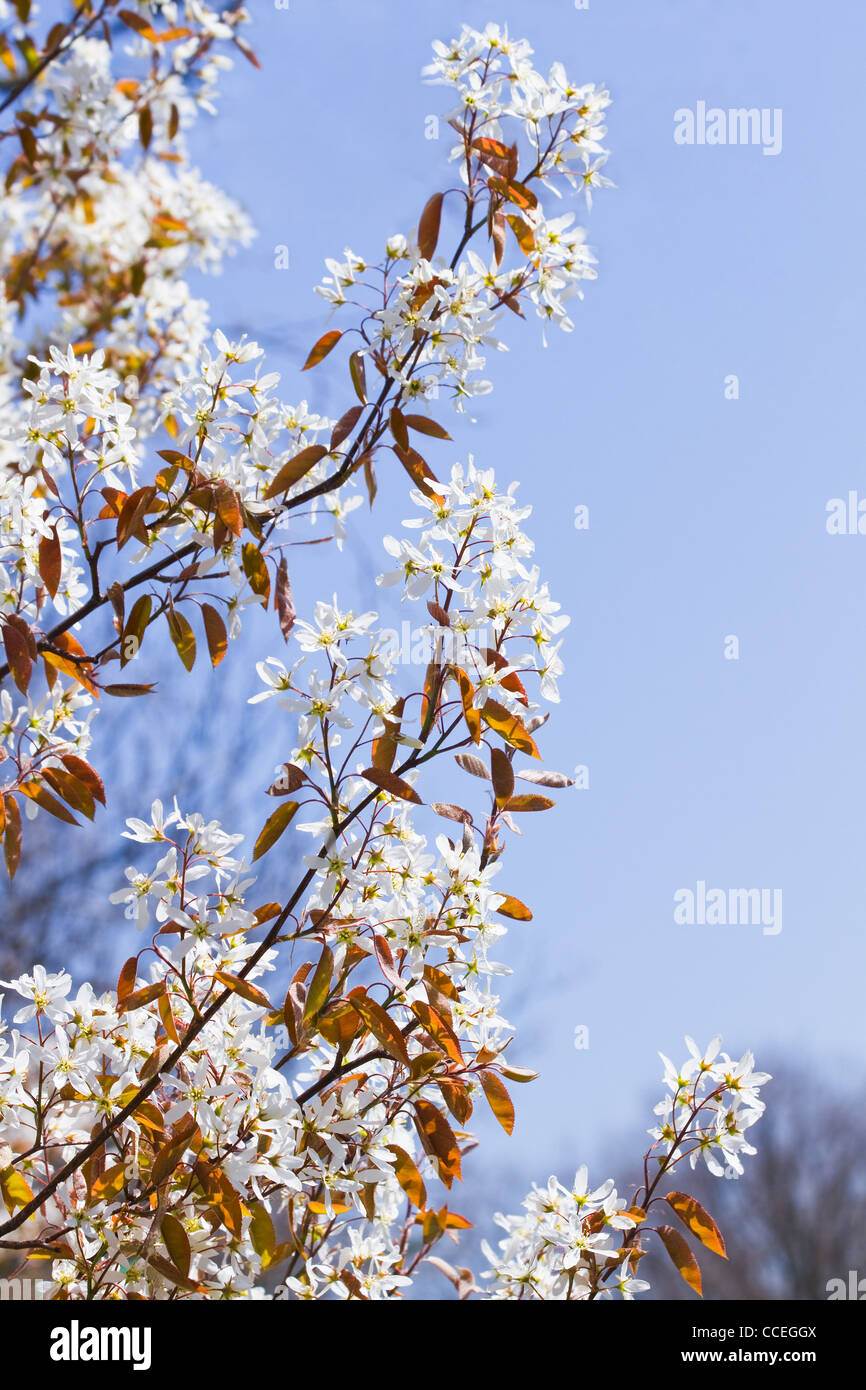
188,1135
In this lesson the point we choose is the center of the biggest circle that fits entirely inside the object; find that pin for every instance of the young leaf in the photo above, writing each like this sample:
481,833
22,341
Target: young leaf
438,1140
345,425
295,469
514,908
320,350
391,783
419,471
424,425
127,691
382,1026
428,227
134,629
182,636
398,428
176,1242
547,779
385,746
215,632
262,1233
498,1098
50,561
237,985
470,763
70,790
12,833
274,827
35,792
256,571
509,727
529,802
698,1221
678,1249
283,601
140,997
319,985
359,376
85,773
503,777
15,1189
408,1176
470,714
18,656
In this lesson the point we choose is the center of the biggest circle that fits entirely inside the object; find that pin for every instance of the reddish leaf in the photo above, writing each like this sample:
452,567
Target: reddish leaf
289,780
513,191
320,350
438,1140
385,746
283,601
215,632
132,514
419,471
345,425
498,1098
128,692
18,656
359,376
698,1221
140,997
35,792
523,232
382,1026
681,1254
547,779
68,787
428,227
503,776
295,469
470,714
12,833
398,428
470,763
50,561
85,773
389,782
237,985
424,425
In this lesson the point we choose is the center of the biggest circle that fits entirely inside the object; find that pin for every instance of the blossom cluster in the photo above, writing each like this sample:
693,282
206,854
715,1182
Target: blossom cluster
273,1100
573,1243
78,425
427,320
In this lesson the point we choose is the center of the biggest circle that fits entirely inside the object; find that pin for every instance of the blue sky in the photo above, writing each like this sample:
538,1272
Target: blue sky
707,515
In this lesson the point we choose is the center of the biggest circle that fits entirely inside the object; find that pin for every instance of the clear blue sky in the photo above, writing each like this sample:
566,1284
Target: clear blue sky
707,515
